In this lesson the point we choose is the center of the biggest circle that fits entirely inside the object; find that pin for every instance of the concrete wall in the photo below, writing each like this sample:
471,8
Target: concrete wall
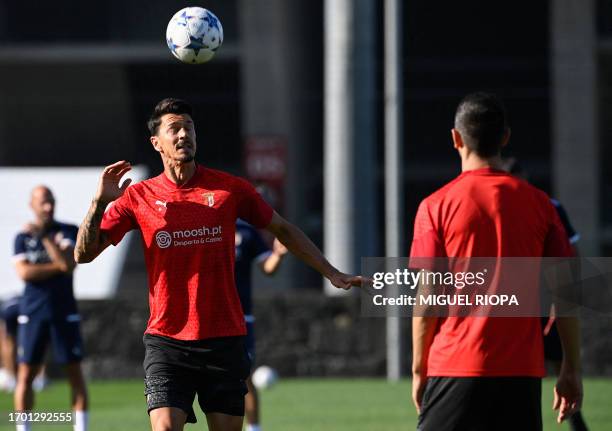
299,332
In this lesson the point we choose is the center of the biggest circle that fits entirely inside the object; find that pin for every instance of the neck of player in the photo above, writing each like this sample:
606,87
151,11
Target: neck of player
179,172
472,162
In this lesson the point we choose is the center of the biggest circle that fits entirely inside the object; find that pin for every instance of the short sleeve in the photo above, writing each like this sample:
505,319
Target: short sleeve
426,241
19,248
557,242
118,219
251,206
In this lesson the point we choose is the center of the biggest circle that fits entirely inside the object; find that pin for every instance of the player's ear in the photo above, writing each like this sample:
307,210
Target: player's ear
457,139
156,144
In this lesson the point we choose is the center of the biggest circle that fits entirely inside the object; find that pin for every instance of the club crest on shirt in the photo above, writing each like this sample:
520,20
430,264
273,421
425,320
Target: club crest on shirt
209,198
161,206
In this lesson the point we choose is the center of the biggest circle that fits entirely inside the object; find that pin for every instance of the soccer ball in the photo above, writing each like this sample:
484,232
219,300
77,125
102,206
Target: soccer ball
264,377
194,34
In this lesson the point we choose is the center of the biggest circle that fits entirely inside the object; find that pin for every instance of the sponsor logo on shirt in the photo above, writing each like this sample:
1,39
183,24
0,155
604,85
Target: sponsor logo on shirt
177,238
163,239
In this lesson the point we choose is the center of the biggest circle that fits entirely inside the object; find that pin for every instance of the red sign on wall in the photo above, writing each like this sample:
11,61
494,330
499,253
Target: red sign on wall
266,158
265,161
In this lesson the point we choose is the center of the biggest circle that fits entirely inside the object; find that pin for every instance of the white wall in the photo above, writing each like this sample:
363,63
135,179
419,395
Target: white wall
73,189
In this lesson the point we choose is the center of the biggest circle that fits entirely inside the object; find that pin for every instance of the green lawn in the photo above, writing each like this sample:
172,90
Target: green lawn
299,405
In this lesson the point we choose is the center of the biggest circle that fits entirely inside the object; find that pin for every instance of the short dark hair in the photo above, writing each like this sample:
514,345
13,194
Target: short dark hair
167,106
481,120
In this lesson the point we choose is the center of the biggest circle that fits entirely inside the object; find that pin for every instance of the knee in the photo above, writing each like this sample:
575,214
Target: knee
167,419
75,376
79,387
166,426
26,375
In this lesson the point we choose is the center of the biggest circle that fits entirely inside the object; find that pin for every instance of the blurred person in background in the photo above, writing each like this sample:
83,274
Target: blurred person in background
553,352
250,248
194,341
43,258
9,313
485,372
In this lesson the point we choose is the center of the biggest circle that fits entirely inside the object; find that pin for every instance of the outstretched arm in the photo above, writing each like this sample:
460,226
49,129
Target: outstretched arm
301,246
90,241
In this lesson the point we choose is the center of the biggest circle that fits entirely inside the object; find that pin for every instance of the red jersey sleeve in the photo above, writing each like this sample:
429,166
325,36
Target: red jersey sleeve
118,219
557,243
251,206
426,241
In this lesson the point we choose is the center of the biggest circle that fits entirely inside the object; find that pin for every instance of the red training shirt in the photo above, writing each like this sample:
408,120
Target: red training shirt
488,213
188,237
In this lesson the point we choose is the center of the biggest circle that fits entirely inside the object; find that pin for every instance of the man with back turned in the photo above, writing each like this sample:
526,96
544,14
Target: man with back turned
482,373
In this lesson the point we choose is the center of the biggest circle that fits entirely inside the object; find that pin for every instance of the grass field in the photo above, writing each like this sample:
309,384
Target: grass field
299,405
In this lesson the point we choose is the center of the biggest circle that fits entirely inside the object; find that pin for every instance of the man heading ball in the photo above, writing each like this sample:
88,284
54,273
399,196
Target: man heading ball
187,215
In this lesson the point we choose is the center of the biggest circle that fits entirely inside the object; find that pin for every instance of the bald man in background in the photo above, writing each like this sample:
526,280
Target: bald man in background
43,258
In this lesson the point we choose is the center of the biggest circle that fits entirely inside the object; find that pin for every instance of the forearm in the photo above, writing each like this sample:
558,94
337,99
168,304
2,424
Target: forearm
301,246
89,241
569,333
34,272
423,330
64,261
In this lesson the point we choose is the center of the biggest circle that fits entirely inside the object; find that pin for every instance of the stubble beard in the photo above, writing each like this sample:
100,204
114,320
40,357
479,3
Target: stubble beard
186,159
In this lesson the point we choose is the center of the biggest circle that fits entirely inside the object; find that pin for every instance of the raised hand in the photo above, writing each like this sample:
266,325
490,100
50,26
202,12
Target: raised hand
108,186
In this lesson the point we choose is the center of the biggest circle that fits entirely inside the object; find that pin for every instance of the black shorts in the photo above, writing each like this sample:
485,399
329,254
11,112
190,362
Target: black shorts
481,404
215,369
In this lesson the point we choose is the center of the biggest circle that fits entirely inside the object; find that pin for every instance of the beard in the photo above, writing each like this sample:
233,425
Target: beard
185,158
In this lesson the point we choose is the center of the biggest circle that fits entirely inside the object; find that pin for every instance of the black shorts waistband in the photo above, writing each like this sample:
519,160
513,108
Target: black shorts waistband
205,343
